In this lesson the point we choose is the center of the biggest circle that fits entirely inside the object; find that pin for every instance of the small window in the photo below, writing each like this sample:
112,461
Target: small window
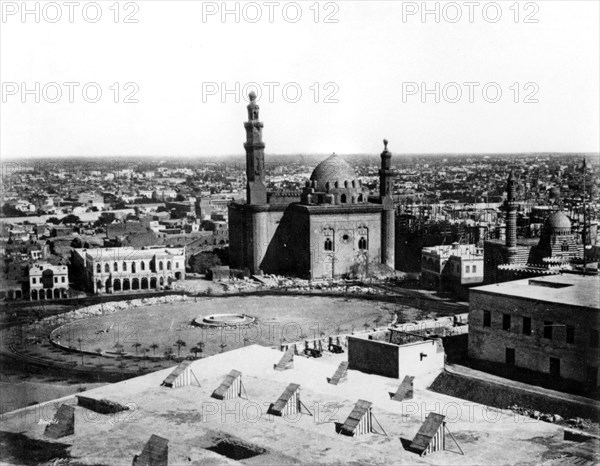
106,268
328,245
33,280
594,338
548,329
55,279
169,265
564,247
487,319
362,244
526,325
506,322
474,269
142,265
160,265
116,267
62,279
176,265
468,269
124,266
343,199
570,334
98,268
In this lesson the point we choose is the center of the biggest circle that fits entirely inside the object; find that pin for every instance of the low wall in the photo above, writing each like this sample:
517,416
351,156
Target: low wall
500,396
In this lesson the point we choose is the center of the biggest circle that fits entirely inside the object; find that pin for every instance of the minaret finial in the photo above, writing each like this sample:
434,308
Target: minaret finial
252,96
385,143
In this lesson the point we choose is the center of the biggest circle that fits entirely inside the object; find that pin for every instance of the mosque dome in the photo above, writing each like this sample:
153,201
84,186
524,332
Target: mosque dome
330,170
558,222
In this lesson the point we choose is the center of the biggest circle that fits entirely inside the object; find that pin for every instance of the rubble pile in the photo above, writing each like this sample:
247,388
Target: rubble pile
577,422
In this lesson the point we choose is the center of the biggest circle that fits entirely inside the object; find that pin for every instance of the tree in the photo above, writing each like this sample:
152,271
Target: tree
136,345
208,225
202,262
180,344
76,243
99,351
168,352
10,211
154,347
67,219
196,350
53,220
119,347
104,219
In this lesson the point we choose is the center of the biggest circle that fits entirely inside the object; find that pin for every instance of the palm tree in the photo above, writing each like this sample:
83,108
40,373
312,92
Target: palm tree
145,354
80,341
154,347
195,350
169,352
136,345
179,343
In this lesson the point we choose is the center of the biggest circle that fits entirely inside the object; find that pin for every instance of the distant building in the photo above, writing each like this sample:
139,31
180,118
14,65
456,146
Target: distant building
529,257
109,270
544,324
47,281
455,266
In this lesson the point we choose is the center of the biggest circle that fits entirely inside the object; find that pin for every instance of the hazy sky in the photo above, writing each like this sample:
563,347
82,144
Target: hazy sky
371,65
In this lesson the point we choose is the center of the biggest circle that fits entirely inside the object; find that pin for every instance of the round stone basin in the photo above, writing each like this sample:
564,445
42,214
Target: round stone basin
225,320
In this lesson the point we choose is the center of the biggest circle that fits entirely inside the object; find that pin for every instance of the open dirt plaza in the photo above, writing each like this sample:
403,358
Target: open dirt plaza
279,319
199,428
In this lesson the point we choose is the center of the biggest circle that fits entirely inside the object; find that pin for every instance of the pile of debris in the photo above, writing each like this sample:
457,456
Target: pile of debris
577,422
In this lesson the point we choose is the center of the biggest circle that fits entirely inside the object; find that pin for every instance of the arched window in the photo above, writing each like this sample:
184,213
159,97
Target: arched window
328,245
168,265
362,243
343,199
564,247
107,268
360,198
160,265
125,266
116,267
133,267
142,265
98,268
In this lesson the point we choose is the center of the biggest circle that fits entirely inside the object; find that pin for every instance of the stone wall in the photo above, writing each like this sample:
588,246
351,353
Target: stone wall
532,351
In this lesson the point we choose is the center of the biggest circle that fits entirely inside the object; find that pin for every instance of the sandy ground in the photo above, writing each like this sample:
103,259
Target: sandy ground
280,318
191,420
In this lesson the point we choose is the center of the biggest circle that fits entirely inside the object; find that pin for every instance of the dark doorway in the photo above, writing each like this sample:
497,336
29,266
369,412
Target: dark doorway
555,367
592,376
510,356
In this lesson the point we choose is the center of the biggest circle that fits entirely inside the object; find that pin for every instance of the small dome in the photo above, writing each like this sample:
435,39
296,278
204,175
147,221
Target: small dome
558,221
330,170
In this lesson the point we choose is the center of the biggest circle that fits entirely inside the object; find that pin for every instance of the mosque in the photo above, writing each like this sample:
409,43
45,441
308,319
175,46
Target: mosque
332,228
556,250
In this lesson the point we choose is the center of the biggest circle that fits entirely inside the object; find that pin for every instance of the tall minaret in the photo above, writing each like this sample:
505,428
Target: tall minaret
256,191
511,216
386,184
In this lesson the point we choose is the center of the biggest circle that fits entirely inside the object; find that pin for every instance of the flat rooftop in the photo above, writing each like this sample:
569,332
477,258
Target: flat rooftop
192,421
569,289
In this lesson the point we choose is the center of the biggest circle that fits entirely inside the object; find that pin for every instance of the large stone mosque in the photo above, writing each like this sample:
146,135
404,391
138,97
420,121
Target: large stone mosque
333,228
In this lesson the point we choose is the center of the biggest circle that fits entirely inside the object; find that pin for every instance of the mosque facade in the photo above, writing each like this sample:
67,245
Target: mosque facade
332,228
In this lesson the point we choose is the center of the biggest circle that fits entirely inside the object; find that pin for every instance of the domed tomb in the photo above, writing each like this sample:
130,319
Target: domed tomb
558,224
333,181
